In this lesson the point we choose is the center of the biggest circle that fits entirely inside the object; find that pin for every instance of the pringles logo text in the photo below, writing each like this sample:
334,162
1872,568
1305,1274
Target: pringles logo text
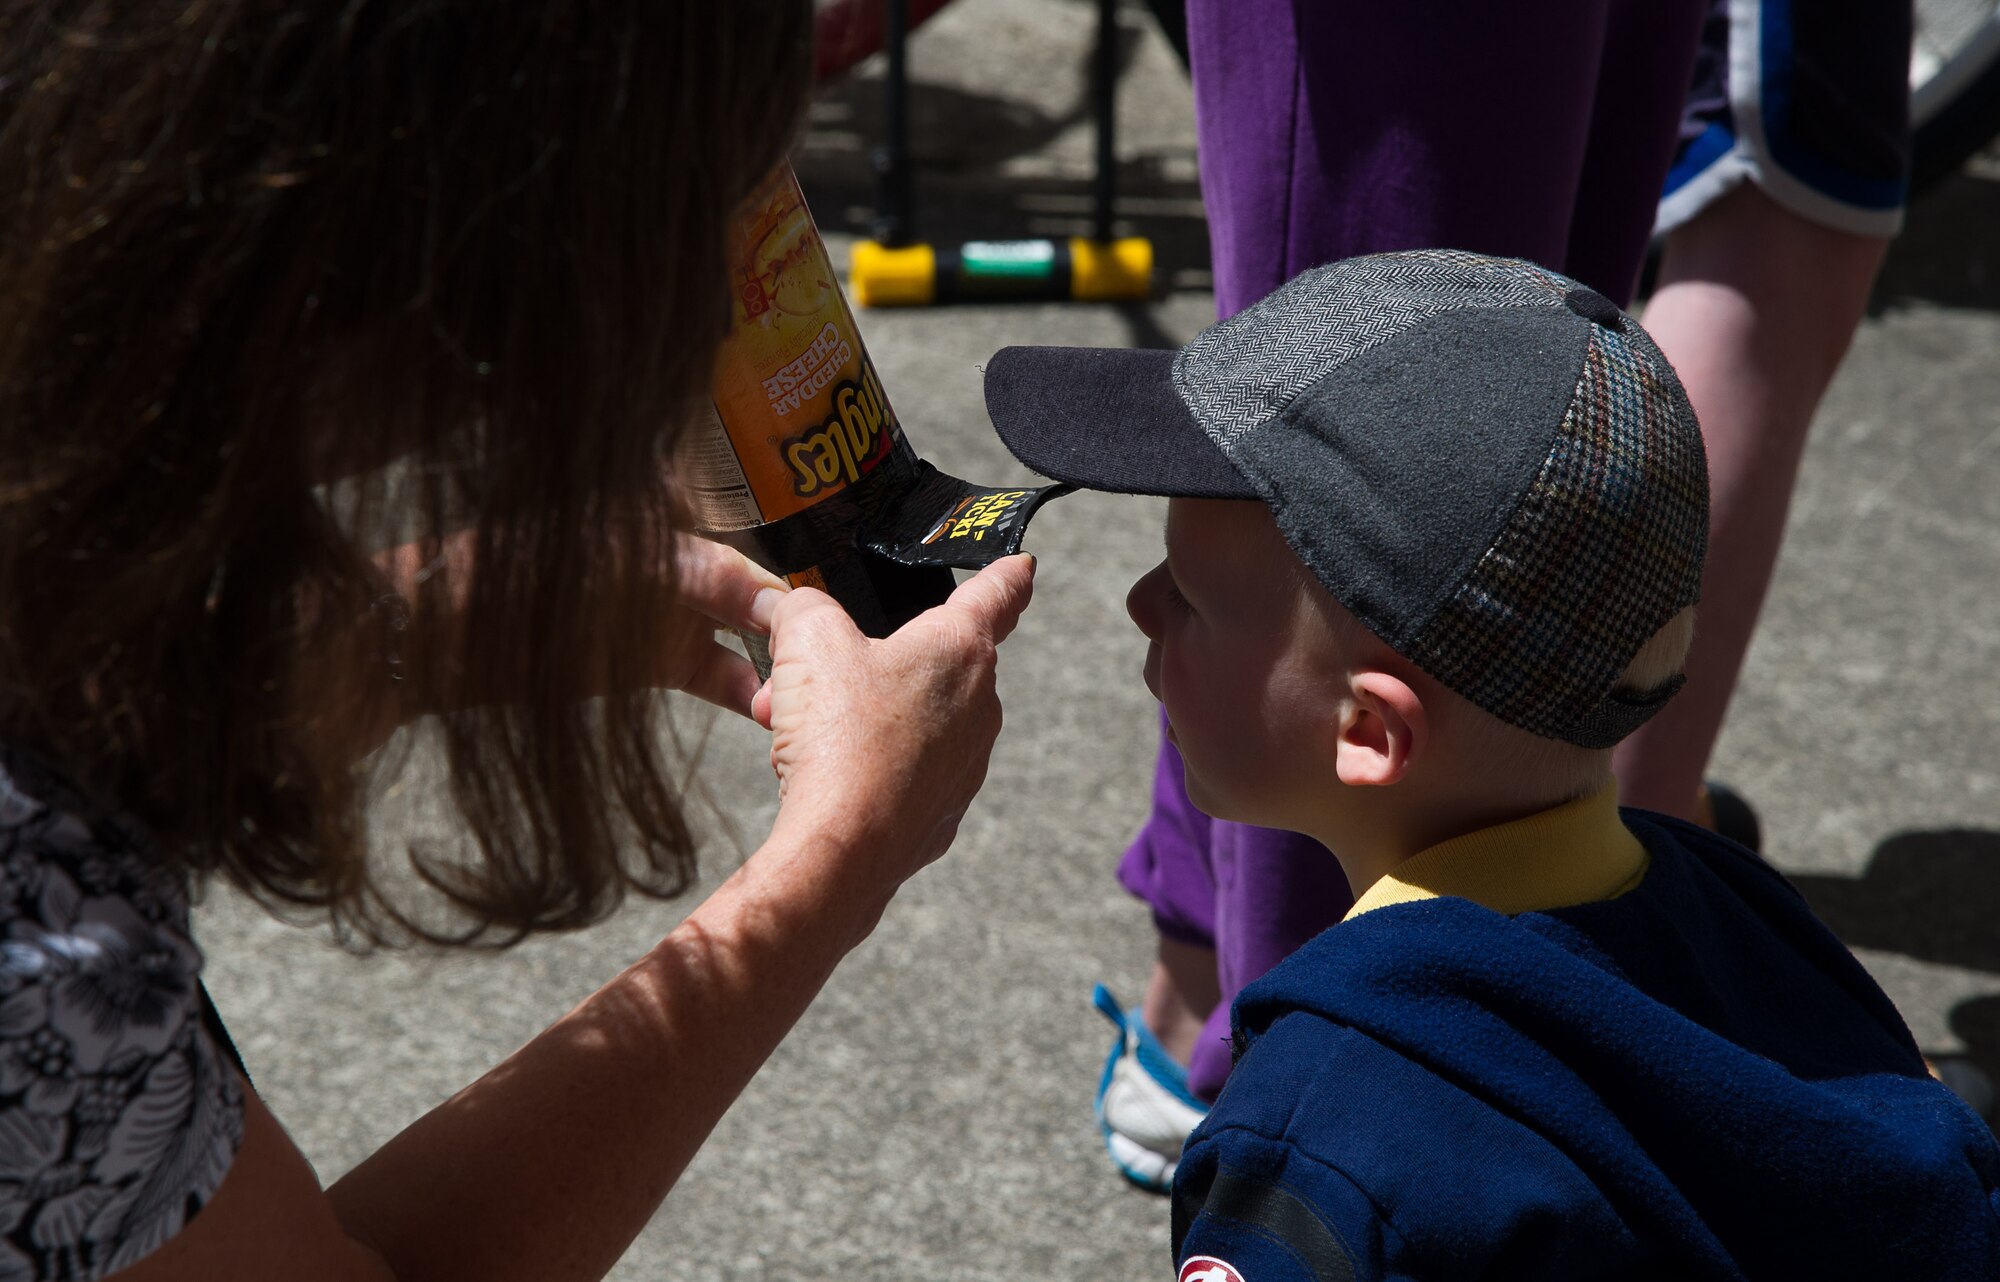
842,449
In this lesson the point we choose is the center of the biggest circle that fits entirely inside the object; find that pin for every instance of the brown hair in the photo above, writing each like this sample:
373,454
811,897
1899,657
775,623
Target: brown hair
249,246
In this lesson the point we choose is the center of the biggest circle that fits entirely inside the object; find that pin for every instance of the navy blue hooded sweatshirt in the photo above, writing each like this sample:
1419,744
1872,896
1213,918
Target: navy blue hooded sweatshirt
1693,1079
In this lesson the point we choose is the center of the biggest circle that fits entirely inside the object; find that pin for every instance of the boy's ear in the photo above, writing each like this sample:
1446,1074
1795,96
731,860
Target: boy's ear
1382,731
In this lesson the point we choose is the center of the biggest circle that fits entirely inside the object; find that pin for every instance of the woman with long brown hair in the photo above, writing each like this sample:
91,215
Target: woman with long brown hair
343,349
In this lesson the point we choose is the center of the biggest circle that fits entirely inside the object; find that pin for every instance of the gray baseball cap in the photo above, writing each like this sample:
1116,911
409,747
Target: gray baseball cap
1490,465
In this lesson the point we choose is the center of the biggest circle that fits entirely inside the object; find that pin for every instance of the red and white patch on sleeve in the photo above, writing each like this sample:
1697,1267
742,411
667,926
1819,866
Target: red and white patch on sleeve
1206,1268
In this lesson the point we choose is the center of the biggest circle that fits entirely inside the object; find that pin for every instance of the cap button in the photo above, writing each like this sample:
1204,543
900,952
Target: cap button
1593,306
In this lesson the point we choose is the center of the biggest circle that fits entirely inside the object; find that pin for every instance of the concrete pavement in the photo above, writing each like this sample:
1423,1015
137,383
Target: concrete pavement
930,1117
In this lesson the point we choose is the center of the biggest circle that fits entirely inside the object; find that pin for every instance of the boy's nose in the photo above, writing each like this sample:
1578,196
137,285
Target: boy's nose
1144,600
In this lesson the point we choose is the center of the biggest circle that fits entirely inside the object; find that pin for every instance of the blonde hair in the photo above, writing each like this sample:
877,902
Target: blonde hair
1562,770
1661,659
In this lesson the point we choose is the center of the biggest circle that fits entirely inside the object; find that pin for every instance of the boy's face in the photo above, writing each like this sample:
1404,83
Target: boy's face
1249,676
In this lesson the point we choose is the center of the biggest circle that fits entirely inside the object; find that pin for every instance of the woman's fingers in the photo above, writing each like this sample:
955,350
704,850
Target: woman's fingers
994,598
724,585
726,588
721,676
809,617
879,745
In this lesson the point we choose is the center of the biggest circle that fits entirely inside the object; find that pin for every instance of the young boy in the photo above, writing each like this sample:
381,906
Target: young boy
1435,536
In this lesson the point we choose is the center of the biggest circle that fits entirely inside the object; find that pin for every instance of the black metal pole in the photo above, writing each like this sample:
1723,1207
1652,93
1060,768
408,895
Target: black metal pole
1105,87
893,213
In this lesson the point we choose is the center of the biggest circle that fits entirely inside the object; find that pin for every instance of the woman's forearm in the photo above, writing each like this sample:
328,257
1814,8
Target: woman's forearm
547,1167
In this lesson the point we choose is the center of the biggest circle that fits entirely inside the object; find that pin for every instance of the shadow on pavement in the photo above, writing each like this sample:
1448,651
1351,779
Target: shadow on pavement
1934,896
1977,1024
1948,253
959,143
951,129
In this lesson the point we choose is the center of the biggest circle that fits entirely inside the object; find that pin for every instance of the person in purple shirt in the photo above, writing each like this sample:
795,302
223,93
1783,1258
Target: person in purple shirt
1549,133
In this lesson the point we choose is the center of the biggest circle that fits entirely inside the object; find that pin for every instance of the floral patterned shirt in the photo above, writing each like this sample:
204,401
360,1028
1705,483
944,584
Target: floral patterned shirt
119,1113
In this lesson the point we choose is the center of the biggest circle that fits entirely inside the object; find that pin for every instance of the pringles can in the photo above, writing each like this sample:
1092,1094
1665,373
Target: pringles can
802,464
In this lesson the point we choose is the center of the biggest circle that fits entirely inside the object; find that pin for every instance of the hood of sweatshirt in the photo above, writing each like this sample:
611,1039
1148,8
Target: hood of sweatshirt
1701,1049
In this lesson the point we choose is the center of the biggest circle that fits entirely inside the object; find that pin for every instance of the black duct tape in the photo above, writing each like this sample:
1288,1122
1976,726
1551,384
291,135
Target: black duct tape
941,520
905,510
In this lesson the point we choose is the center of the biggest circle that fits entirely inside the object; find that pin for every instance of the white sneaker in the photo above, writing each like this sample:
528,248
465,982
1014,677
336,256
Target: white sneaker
1144,1107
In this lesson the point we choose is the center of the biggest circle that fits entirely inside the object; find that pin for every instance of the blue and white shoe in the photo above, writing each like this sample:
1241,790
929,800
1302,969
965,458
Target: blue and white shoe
1144,1108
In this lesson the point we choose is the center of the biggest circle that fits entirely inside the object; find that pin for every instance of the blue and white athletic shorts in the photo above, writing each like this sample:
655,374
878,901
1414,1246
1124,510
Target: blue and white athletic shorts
1809,99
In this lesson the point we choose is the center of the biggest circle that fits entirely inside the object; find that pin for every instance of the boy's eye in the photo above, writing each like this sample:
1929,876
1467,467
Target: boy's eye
1174,597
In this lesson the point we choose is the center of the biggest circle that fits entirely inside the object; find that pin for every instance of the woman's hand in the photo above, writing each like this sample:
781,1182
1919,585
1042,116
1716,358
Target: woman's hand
714,587
879,746
731,591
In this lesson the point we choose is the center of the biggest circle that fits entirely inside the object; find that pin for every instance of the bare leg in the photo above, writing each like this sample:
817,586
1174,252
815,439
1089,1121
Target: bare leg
1179,996
1755,308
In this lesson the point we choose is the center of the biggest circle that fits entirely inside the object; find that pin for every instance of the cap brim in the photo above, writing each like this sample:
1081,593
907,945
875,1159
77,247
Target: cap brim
1106,418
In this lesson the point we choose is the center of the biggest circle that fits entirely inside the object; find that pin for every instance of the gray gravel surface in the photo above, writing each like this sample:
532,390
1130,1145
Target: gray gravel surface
930,1117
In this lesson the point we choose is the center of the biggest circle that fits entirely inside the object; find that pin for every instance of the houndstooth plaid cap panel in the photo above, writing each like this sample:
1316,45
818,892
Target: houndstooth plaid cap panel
1489,465
1602,551
1241,373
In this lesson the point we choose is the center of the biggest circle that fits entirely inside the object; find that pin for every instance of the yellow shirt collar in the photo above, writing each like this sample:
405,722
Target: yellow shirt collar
1575,853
